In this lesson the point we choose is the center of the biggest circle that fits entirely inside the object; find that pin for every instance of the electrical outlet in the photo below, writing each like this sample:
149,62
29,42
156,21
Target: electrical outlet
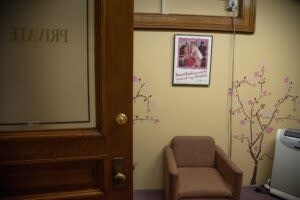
232,4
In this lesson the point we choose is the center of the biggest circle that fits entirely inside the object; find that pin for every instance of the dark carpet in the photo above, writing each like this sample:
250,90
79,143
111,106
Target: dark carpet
248,193
257,193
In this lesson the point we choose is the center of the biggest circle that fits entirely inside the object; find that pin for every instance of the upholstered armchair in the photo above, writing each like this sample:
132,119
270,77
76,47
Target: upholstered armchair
197,169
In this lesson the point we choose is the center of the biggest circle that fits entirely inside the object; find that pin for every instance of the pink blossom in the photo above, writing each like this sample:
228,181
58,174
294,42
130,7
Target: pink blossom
243,122
229,93
265,93
156,121
135,79
286,80
236,136
256,74
269,129
250,102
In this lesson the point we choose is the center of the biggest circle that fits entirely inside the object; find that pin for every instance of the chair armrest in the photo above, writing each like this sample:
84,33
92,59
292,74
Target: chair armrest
170,161
231,174
170,174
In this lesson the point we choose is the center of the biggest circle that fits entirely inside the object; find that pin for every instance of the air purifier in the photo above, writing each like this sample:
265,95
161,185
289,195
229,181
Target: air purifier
285,180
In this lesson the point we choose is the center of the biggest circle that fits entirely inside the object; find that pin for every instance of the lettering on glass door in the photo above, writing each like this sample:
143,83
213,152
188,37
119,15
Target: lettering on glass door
45,35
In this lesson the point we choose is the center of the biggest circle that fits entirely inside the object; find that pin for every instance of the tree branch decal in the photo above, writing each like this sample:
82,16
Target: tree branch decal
142,95
257,115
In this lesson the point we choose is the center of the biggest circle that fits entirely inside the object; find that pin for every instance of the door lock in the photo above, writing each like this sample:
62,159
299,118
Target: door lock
118,166
119,178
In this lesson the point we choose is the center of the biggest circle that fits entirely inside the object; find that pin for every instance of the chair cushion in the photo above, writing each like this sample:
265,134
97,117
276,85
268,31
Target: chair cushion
201,182
194,151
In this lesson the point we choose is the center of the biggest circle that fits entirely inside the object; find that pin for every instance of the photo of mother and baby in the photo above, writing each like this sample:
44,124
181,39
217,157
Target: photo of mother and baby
192,54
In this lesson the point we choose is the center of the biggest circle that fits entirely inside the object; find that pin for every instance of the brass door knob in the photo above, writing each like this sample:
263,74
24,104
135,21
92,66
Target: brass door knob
119,178
121,119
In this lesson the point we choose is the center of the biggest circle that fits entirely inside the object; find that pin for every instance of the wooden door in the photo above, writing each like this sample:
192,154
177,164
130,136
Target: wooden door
91,163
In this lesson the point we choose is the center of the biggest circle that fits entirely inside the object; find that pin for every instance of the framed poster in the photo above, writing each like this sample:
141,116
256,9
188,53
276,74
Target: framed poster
192,60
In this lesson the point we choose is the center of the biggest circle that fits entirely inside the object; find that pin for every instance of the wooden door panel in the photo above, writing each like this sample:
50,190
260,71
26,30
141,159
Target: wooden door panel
41,147
78,164
88,194
51,177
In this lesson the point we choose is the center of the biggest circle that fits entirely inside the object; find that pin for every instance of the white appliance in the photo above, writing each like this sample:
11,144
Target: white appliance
285,181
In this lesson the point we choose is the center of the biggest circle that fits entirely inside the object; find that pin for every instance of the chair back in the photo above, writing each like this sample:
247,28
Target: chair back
193,151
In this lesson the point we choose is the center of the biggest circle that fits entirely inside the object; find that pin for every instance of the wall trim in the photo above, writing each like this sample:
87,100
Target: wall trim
245,21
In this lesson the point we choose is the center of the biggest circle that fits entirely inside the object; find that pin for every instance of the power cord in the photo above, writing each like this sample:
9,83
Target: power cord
232,79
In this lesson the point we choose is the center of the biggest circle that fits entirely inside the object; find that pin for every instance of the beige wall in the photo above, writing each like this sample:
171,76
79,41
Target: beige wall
204,111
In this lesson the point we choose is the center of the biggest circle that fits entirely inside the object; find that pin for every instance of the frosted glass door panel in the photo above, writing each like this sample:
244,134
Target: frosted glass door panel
46,64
